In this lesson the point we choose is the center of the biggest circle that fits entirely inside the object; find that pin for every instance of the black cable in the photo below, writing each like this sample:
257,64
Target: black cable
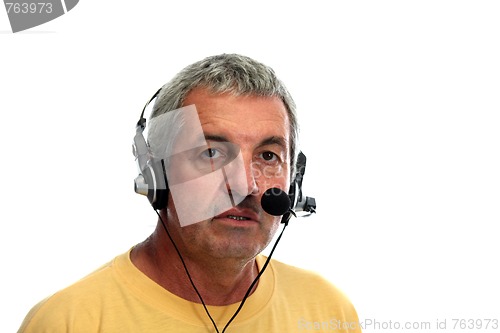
187,272
247,294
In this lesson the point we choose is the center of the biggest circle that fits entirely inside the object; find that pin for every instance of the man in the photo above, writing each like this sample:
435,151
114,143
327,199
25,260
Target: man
222,132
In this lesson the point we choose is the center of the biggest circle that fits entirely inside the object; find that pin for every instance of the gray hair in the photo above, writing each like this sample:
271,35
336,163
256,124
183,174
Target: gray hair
225,73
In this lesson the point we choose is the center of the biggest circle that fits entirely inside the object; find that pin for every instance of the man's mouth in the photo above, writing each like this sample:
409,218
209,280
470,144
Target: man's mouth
237,218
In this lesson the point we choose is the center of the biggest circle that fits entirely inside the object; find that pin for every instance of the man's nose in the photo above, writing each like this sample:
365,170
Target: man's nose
251,179
241,177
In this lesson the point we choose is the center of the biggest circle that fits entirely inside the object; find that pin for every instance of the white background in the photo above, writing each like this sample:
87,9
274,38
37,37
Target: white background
399,104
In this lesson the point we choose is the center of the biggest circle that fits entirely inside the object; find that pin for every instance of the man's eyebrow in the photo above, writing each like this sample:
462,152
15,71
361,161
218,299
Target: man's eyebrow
216,138
273,140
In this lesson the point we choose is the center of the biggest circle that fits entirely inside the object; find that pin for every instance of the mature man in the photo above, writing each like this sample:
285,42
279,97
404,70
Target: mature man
222,132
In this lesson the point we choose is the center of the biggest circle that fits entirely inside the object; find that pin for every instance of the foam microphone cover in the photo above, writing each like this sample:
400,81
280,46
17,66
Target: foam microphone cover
275,202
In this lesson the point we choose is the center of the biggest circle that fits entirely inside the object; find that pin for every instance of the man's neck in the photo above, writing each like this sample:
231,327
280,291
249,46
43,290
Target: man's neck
219,281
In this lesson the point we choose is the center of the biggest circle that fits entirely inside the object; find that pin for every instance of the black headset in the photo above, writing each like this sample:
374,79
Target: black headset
152,179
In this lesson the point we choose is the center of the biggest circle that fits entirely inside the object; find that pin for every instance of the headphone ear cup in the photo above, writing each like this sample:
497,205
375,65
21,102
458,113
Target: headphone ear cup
148,175
161,191
161,199
155,178
295,191
292,194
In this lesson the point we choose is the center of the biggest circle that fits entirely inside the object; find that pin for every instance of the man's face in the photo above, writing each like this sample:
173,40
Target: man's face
248,142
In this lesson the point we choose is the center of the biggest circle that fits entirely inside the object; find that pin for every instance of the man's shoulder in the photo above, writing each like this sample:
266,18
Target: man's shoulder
295,273
98,279
307,283
60,305
311,299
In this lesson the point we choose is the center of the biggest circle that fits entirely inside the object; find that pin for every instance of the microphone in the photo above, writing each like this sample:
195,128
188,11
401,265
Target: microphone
275,202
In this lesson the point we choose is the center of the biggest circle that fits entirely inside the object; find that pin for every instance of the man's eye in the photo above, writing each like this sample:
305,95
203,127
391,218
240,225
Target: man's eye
211,153
268,156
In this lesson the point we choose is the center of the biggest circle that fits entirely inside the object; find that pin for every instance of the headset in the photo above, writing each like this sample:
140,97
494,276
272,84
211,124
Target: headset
152,179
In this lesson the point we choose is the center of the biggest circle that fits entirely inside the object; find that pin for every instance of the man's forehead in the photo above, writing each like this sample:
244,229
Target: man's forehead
244,124
266,141
250,120
191,133
204,97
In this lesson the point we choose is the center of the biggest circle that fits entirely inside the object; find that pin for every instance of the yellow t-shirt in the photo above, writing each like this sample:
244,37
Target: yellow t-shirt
119,298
